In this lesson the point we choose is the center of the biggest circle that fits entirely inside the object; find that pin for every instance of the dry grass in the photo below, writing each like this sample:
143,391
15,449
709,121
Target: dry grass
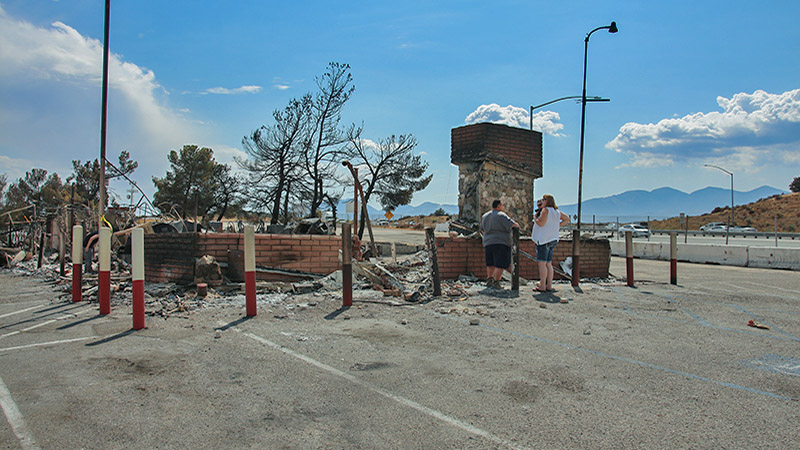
760,214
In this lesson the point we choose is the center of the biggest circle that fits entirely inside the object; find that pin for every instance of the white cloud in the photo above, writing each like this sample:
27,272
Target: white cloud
226,154
648,161
239,90
514,116
760,123
53,115
15,168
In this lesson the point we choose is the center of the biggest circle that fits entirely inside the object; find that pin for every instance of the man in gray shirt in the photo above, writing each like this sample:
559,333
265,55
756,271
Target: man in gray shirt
496,229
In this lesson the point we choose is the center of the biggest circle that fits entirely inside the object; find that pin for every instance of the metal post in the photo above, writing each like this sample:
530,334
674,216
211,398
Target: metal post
576,268
41,248
347,265
732,204
355,200
103,119
776,231
673,258
61,251
576,255
515,274
629,256
686,235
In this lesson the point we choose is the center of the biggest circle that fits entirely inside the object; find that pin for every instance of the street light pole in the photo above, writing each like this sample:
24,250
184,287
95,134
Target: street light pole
588,99
731,174
101,207
576,257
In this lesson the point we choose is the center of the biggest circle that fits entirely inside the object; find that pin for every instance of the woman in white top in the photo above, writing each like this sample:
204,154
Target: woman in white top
545,235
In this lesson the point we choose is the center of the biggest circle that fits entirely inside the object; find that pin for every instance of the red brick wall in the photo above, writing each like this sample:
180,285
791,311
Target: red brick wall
461,256
169,257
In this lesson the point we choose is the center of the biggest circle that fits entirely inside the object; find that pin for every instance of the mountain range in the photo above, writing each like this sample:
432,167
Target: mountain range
658,203
665,202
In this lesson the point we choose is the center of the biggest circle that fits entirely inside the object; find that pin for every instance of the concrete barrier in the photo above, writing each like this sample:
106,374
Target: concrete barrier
729,255
775,258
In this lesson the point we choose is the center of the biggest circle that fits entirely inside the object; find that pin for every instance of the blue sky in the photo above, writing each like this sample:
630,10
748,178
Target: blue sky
690,83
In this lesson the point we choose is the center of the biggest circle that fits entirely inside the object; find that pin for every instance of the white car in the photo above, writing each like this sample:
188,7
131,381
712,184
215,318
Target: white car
743,229
635,229
708,226
717,229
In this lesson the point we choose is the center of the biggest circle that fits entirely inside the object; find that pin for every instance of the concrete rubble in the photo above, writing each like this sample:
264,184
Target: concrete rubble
381,280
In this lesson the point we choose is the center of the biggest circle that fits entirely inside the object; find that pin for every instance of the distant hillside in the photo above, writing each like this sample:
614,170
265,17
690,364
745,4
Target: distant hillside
760,215
664,202
424,209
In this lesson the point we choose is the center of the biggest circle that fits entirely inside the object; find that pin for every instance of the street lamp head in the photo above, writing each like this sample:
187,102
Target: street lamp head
613,27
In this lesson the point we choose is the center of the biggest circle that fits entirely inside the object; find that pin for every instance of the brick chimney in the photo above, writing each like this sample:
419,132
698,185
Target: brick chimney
496,162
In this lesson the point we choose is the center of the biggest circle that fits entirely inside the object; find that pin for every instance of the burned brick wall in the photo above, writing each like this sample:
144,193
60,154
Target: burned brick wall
170,257
496,162
465,256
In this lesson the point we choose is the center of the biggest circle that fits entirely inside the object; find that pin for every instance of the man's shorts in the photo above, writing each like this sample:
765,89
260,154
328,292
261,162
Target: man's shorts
544,252
498,255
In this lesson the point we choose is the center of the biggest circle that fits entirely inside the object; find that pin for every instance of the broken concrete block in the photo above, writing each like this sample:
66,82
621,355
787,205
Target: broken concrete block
207,270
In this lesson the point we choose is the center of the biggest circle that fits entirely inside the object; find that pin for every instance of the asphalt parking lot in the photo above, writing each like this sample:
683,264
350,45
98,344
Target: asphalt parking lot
614,367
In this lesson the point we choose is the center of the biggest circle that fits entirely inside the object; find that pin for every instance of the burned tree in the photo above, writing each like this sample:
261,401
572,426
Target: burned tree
86,176
393,172
36,188
276,154
194,180
324,138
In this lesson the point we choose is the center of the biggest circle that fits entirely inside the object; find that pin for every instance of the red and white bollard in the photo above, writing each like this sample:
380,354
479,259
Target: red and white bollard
673,258
629,256
104,274
137,261
250,270
77,262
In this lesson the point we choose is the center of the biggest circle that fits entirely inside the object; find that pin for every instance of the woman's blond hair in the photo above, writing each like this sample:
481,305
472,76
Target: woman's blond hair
549,201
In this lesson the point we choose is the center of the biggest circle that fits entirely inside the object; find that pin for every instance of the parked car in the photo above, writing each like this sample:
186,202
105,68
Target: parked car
708,226
635,229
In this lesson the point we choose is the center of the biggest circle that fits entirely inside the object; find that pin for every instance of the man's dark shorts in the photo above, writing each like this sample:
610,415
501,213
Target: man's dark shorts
498,255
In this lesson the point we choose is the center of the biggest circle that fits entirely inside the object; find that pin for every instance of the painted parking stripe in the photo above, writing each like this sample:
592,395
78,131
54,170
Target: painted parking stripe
22,310
402,400
27,329
769,286
45,344
33,327
15,419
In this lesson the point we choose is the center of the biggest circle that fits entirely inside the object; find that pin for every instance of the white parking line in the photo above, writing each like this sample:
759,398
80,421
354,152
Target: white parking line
27,329
70,316
15,419
769,286
402,400
44,344
23,310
